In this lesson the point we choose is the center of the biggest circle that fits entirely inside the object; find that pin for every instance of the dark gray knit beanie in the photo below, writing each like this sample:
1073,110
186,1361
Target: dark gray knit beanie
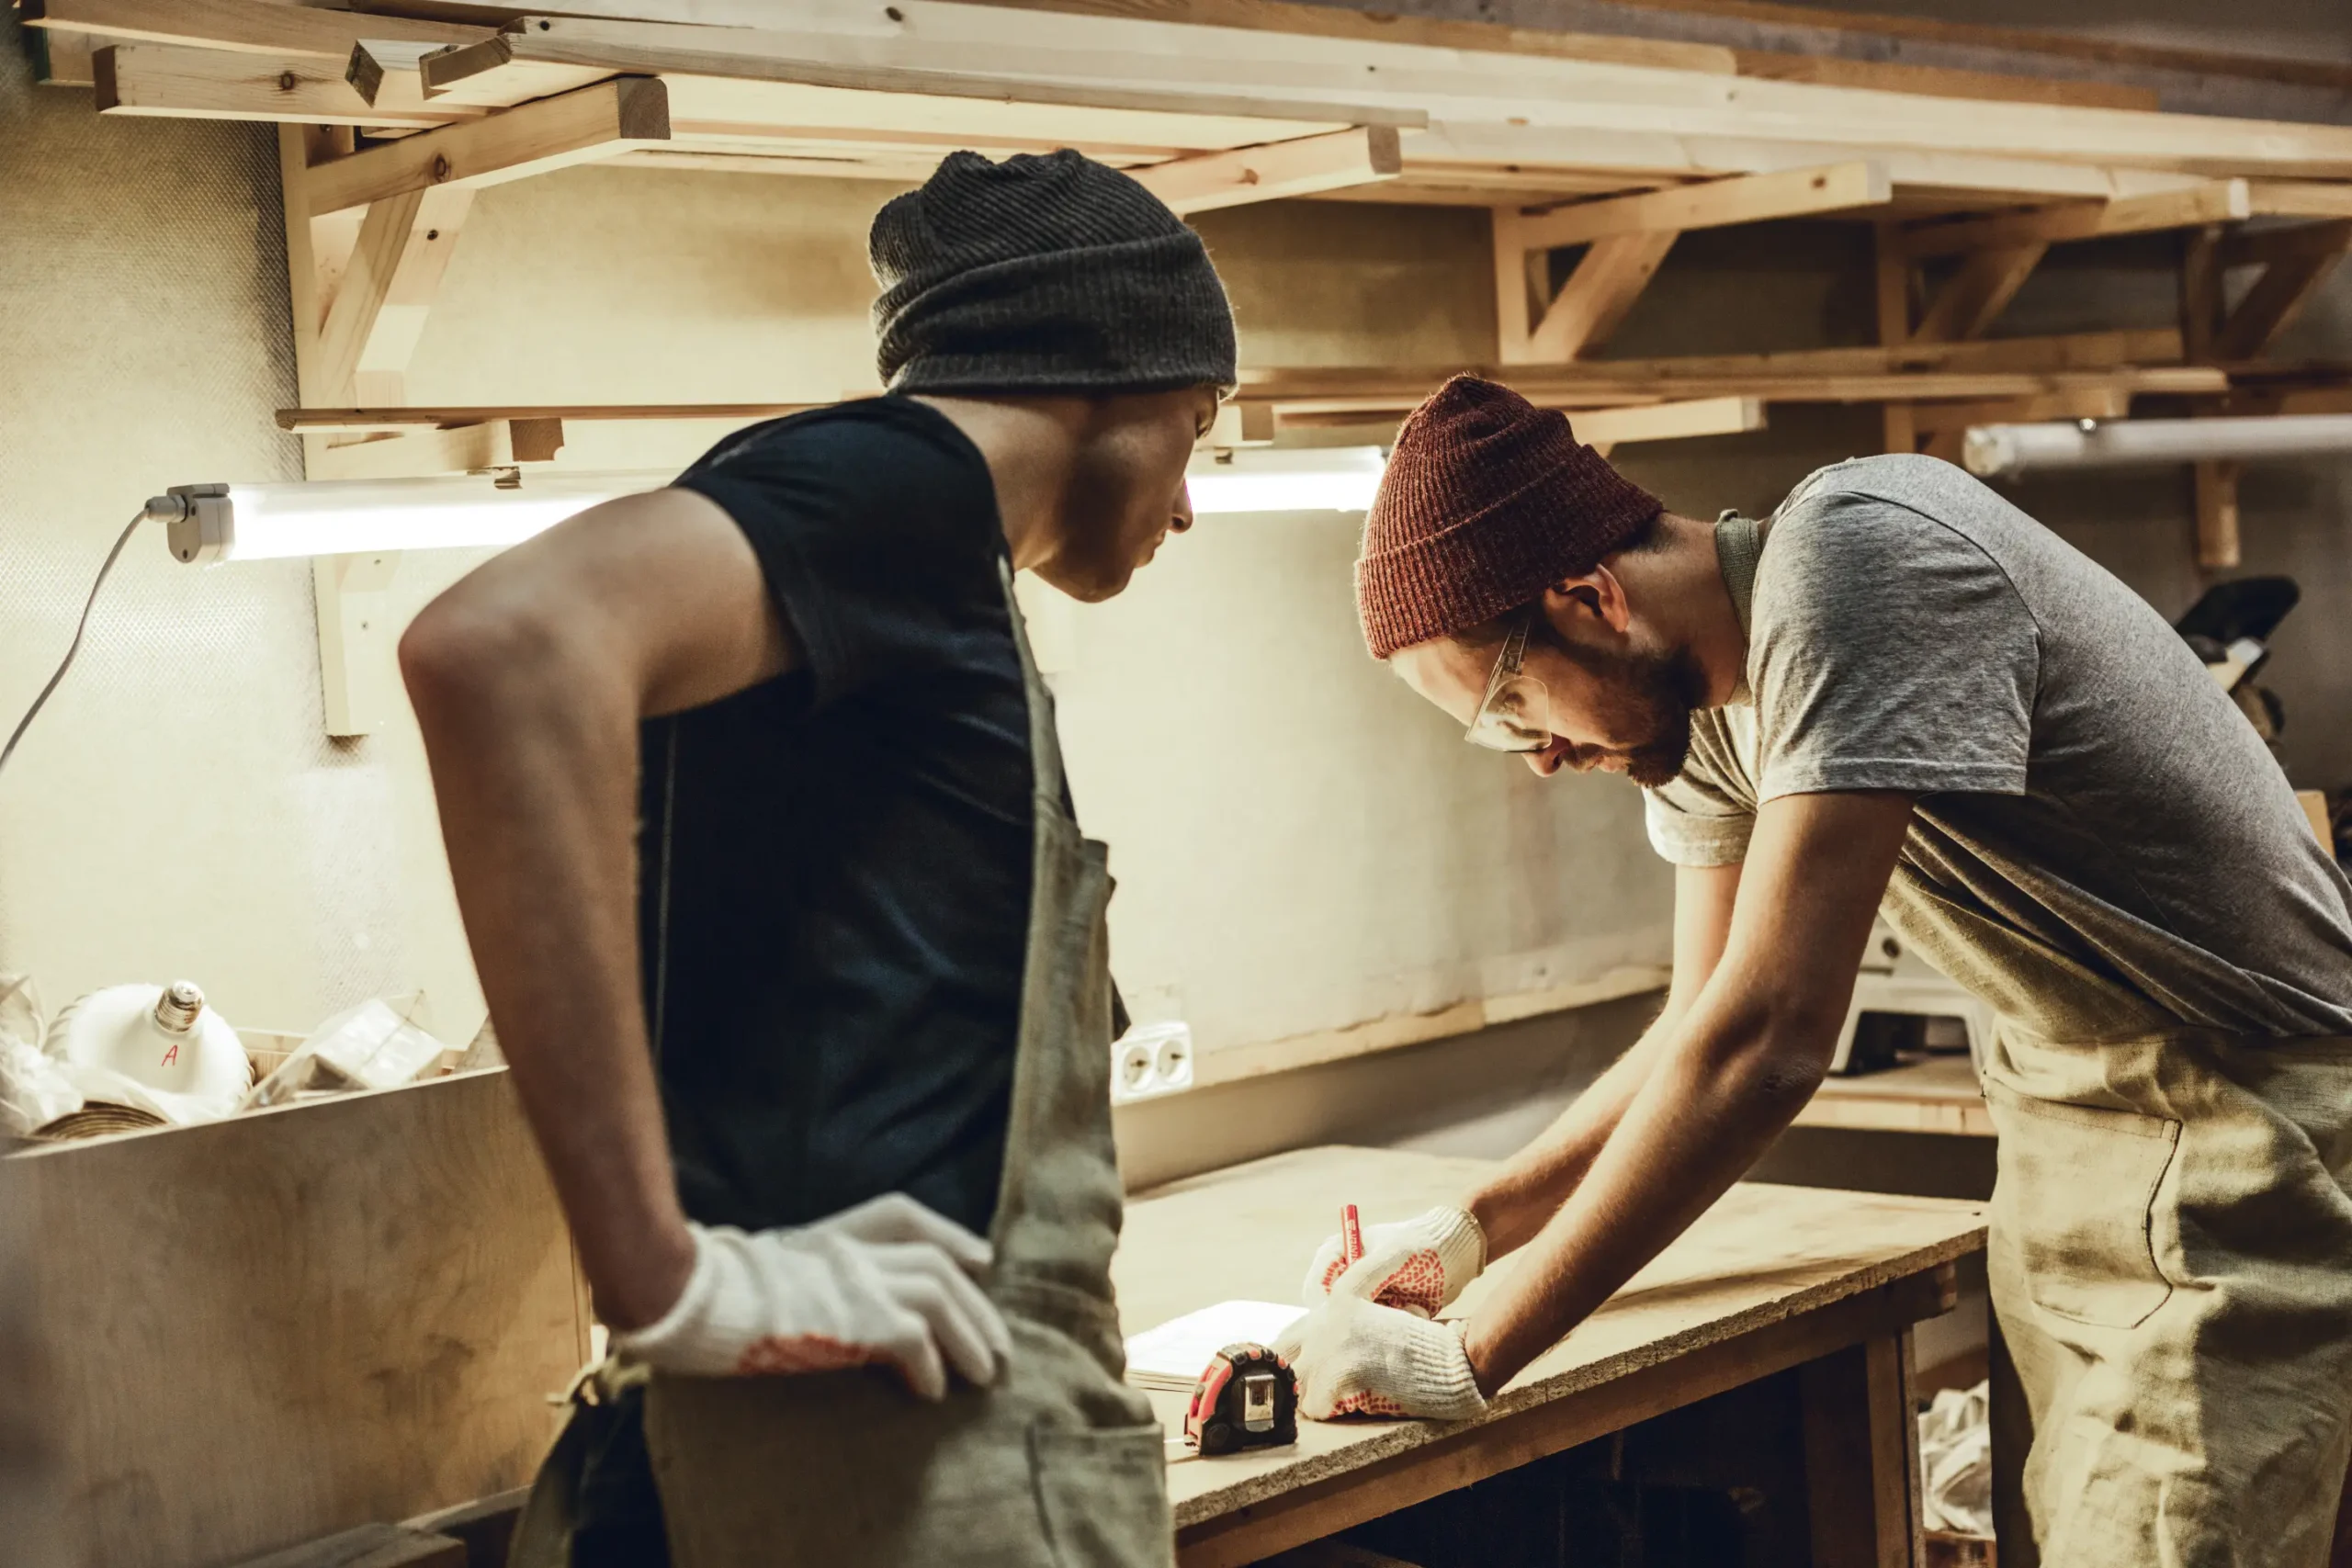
1043,274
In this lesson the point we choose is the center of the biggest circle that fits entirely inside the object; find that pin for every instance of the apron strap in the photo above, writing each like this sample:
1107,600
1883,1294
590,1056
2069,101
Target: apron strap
1045,744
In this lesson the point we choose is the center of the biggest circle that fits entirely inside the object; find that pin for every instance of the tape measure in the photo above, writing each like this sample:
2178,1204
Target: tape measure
1247,1399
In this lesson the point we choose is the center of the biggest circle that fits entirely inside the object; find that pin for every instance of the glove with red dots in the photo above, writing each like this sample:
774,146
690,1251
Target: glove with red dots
1419,1265
1355,1357
887,1283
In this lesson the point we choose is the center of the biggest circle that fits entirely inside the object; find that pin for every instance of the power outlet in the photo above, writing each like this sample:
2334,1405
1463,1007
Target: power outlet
1151,1060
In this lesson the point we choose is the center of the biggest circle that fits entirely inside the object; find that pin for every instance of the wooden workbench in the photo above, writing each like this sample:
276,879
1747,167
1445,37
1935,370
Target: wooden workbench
1773,1278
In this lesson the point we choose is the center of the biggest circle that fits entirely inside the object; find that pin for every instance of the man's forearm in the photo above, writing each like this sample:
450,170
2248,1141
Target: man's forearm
1712,1102
534,766
1522,1198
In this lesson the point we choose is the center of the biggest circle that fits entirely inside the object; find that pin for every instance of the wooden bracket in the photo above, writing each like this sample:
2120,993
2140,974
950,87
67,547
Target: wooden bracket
355,669
1973,298
1628,237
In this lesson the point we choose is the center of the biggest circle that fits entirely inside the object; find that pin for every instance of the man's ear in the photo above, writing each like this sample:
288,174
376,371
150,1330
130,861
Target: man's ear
1597,594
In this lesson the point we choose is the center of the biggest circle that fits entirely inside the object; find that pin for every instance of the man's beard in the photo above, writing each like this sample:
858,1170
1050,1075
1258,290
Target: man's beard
1648,694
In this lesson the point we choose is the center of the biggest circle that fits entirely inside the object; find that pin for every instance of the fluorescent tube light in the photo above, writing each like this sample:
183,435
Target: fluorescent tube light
2001,450
211,523
1309,479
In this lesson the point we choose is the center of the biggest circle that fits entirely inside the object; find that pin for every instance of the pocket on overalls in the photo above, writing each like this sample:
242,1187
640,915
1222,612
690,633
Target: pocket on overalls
1103,1491
2076,1205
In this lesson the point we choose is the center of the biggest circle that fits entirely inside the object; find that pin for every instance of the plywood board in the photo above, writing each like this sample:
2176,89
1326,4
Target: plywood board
1762,1256
298,1322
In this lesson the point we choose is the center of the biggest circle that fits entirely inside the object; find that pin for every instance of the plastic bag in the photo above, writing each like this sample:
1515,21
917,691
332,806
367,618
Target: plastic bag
373,1045
1956,1462
33,1090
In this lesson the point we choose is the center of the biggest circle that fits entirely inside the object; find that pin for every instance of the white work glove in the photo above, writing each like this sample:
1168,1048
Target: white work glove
888,1281
1420,1265
1355,1357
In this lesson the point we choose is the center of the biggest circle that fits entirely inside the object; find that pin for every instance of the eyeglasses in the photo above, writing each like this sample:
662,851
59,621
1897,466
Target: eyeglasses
1516,712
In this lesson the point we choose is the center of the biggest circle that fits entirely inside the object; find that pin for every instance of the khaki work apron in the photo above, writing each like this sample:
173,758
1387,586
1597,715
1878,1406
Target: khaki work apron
2171,1256
2171,1276
1060,1464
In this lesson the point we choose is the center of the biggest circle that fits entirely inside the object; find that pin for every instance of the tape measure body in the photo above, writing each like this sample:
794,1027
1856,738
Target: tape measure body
1248,1398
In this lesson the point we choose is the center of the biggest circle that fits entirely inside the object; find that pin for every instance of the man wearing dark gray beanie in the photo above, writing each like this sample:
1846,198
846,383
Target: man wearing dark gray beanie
759,826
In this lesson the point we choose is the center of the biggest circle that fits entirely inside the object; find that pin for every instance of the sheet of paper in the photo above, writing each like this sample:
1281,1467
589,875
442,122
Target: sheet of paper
1174,1354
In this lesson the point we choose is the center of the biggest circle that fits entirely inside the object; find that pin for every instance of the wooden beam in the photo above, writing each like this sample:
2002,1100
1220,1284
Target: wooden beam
210,83
1598,295
326,420
1668,422
1710,204
2093,402
1971,298
2294,241
2098,353
579,127
418,452
62,59
2217,515
2300,198
2286,286
2216,201
1309,165
822,60
1517,299
256,27
1894,281
2201,292
379,307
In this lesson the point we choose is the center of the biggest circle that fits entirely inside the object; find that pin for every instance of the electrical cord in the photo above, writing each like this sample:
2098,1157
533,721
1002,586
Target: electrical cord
80,627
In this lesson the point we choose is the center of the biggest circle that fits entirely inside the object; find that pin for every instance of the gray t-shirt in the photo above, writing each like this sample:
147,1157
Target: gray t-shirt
2102,846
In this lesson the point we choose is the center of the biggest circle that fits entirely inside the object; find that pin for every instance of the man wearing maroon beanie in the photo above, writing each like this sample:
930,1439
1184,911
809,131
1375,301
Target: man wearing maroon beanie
1900,693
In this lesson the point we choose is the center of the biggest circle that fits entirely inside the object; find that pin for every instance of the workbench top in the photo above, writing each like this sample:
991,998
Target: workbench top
1762,1255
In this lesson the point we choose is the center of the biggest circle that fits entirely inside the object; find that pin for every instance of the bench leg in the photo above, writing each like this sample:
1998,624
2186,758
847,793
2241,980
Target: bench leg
1861,1455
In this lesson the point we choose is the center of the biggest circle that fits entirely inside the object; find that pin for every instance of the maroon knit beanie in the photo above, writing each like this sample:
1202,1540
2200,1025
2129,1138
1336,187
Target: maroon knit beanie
1488,501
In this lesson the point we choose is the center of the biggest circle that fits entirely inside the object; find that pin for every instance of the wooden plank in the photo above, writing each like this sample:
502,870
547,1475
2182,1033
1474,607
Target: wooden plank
255,26
206,84
298,1321
1974,297
1945,82
1518,297
1670,422
1304,166
2099,351
806,58
1749,199
2098,402
321,421
1237,1064
1762,1257
2216,494
596,122
1380,392
2216,201
468,448
1395,27
370,1546
2300,198
1598,295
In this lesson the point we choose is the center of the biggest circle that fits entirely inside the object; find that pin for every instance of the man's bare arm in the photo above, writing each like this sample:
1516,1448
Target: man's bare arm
529,679
1747,1056
1530,1190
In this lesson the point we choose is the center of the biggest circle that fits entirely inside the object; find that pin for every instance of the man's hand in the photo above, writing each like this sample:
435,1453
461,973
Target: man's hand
888,1281
1355,1357
1419,1265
